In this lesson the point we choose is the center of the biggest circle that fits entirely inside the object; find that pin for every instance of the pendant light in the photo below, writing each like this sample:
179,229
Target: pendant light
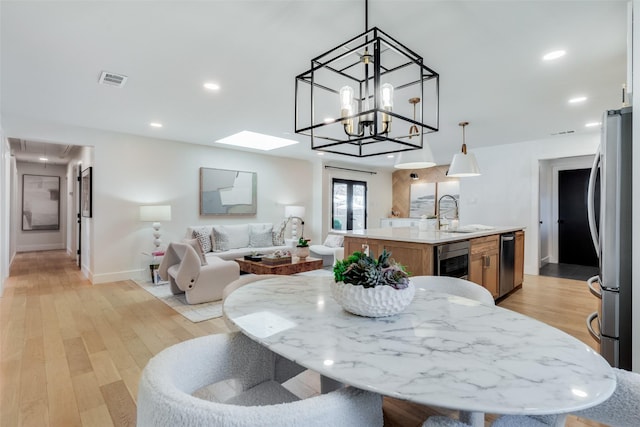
419,159
348,101
463,164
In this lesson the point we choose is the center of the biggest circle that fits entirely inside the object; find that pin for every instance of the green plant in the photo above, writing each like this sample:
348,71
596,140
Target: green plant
362,270
303,243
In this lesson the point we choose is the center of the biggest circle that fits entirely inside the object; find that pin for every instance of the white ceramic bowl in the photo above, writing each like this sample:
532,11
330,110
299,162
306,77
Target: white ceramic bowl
372,302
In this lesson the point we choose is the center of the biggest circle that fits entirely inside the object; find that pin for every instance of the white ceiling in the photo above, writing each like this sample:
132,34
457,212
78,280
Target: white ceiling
488,54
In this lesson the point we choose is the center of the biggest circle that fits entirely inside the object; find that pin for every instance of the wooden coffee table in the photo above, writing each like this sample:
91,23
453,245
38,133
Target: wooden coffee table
296,266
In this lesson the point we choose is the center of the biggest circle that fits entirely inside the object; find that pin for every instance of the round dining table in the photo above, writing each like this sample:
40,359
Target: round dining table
442,350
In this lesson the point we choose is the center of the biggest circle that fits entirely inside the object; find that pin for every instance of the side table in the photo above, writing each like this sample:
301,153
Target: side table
153,260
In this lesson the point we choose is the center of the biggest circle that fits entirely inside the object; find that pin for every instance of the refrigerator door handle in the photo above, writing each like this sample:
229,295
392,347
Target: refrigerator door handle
592,288
592,332
591,213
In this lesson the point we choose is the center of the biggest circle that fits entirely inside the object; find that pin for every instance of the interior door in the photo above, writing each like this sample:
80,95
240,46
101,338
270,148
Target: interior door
574,239
78,187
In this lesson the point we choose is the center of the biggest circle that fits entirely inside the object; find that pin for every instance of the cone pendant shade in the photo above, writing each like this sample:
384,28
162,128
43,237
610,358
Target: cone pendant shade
463,164
418,159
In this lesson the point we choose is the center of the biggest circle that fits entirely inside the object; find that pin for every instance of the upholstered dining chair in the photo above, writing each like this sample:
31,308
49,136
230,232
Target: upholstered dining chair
453,286
178,388
621,409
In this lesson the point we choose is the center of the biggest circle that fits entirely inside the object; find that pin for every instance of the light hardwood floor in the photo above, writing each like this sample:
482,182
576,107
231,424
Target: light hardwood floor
71,353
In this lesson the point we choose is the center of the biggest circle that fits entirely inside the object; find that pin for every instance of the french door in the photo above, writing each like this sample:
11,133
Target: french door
349,207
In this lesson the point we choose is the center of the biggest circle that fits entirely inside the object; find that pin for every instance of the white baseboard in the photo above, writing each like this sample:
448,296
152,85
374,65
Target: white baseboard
114,277
40,247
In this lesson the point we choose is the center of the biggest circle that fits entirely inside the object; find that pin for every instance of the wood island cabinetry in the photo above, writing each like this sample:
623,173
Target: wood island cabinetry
484,255
415,249
417,257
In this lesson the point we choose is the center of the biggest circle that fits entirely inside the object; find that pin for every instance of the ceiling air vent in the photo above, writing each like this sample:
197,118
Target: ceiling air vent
564,132
112,79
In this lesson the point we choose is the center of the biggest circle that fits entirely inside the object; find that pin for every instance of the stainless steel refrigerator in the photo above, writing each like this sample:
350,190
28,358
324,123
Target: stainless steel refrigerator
611,234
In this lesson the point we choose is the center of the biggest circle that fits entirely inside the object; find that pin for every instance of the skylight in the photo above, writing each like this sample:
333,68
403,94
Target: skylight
256,141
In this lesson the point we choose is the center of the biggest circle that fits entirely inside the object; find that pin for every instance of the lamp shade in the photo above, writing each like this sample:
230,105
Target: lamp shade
419,159
155,213
463,165
292,210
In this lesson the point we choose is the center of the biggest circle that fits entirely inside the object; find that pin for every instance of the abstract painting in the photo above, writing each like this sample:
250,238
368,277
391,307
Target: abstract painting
40,202
422,199
228,192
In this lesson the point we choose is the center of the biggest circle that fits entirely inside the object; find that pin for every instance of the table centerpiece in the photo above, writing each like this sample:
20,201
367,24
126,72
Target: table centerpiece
371,287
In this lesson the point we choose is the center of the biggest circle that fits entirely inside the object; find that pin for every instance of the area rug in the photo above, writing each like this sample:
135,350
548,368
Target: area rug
194,312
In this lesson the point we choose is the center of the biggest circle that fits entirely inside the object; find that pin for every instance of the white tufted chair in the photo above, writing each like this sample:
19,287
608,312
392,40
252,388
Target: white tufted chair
622,409
453,286
174,377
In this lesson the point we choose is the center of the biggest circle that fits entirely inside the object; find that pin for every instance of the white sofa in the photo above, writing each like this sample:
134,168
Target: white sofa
330,251
237,240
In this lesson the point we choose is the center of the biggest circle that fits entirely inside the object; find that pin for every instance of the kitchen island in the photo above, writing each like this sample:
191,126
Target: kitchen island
418,251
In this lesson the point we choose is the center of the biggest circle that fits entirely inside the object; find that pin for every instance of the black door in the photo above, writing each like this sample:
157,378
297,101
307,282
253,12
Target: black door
574,239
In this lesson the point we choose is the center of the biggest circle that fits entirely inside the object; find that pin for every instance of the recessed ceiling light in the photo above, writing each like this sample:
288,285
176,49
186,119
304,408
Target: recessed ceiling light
577,99
212,86
592,124
390,156
554,55
44,159
255,140
320,153
329,119
155,125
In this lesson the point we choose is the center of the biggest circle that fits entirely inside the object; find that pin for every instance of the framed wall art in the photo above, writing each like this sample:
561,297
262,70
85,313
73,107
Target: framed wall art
228,192
40,202
86,190
422,199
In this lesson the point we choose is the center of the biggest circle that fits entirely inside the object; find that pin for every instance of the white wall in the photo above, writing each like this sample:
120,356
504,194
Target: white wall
544,211
41,240
507,193
129,171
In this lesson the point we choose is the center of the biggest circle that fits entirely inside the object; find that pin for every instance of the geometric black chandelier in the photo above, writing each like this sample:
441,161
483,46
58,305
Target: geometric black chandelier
369,96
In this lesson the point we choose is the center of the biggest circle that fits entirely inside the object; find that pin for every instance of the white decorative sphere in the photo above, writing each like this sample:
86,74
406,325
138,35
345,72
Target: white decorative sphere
379,301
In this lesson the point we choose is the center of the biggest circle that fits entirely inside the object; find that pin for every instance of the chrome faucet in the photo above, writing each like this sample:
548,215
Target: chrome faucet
439,205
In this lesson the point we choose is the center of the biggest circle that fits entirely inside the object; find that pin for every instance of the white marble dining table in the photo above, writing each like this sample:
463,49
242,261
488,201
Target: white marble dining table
442,350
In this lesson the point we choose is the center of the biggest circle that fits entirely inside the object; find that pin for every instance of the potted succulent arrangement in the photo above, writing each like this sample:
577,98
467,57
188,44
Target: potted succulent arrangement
303,248
371,287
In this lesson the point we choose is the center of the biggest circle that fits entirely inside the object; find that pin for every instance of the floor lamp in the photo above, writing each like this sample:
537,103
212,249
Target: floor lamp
156,214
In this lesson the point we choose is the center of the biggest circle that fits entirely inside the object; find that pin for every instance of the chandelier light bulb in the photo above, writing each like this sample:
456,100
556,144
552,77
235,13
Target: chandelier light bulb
346,96
387,96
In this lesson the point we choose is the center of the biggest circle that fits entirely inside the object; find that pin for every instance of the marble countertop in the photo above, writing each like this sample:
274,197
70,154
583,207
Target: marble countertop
432,237
442,350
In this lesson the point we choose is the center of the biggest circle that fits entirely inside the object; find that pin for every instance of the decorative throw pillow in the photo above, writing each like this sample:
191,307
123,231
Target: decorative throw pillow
261,239
195,243
220,238
278,233
334,241
204,238
238,235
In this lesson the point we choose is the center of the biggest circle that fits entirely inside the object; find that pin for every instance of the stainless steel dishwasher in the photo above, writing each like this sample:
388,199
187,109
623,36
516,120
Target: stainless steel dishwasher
507,262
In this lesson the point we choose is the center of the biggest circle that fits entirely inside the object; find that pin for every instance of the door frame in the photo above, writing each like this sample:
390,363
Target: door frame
557,165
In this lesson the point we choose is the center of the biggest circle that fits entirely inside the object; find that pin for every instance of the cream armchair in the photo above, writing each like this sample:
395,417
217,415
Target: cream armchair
182,267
